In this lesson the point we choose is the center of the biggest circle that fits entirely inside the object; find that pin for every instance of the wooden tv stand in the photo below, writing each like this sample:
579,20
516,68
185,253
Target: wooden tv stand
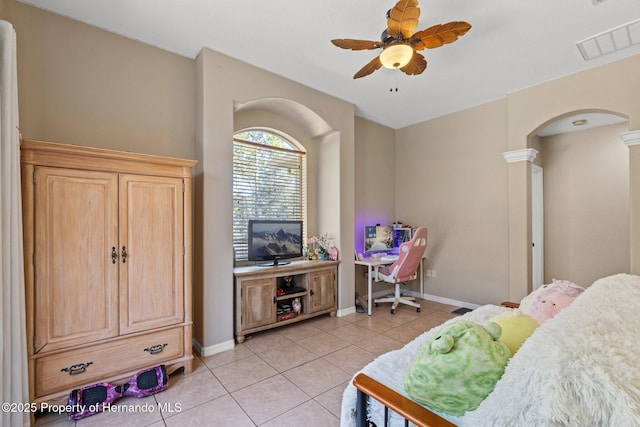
258,305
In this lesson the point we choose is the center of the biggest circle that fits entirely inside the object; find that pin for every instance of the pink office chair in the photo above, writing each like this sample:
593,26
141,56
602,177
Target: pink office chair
405,268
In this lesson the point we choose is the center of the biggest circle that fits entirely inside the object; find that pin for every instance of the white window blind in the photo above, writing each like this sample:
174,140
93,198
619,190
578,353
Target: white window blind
268,182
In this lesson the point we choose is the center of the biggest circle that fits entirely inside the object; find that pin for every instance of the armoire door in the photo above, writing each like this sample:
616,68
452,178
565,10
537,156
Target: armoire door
76,276
151,252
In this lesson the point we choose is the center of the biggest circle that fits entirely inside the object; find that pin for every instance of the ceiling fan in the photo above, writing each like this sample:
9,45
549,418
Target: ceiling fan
399,43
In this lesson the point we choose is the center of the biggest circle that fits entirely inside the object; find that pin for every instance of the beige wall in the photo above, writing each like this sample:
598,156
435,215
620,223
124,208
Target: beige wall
81,85
375,195
586,204
612,88
223,84
452,179
375,185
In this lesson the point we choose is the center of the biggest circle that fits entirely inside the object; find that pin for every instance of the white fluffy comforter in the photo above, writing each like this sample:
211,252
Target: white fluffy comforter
578,369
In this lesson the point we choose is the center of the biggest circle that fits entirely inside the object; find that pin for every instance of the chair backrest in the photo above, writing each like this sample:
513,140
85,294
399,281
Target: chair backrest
411,252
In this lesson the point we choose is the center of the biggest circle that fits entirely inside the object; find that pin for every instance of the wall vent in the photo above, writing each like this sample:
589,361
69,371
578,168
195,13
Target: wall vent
610,41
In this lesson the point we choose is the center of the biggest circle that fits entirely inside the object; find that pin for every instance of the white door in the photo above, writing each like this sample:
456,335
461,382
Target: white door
537,227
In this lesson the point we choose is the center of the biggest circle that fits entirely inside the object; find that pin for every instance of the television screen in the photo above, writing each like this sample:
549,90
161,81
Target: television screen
274,240
378,238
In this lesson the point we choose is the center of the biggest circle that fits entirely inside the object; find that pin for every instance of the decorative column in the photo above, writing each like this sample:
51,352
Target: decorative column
520,268
632,140
522,155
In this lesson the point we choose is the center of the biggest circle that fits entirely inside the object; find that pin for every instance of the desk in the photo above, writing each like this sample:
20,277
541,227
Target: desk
371,263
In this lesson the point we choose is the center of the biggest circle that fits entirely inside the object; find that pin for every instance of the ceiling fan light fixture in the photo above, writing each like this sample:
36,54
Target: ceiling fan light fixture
396,55
400,42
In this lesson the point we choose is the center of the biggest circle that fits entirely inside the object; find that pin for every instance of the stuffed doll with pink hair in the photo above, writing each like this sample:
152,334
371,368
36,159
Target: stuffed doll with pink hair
548,300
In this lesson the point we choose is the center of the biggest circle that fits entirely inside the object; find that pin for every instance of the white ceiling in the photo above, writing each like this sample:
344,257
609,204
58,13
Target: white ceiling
512,45
574,123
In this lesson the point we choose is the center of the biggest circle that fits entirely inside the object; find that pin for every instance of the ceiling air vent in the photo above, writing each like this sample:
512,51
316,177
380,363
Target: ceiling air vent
610,41
597,2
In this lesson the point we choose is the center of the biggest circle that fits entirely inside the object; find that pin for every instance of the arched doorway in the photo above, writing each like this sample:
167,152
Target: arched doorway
580,215
608,88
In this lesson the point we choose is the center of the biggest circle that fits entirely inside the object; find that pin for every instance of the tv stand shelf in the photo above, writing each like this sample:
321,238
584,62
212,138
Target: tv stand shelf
290,296
259,305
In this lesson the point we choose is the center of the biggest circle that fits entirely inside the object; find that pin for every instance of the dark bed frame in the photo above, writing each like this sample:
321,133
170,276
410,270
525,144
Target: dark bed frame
368,388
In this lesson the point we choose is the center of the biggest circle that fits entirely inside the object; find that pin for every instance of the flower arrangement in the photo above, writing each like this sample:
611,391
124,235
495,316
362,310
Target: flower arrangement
318,247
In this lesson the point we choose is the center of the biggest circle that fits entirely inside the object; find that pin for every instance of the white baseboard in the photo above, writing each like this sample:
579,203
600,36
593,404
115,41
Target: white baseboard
212,349
346,311
429,297
450,301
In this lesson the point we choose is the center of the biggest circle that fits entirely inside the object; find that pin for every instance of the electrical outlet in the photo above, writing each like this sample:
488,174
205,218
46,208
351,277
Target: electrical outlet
428,273
434,273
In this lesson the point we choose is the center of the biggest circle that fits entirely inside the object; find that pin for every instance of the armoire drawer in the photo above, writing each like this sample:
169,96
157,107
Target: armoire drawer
72,368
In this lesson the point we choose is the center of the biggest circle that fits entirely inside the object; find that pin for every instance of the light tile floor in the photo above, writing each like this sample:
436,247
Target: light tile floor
289,376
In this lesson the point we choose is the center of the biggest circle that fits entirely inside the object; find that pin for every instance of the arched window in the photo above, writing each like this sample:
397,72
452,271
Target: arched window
269,181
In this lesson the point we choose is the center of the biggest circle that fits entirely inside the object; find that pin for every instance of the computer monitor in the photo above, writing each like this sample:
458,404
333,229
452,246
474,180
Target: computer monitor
401,235
378,238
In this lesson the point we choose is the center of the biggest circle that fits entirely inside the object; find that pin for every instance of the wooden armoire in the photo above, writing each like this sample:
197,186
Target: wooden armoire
108,264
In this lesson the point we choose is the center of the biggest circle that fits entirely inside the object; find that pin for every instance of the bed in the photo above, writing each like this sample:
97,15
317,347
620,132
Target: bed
579,368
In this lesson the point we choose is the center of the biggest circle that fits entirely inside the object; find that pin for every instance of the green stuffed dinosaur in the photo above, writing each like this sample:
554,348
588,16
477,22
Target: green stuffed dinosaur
457,367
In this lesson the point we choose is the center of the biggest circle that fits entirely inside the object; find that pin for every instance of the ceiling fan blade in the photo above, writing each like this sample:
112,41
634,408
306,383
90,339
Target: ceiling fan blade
439,35
403,18
356,44
416,66
372,66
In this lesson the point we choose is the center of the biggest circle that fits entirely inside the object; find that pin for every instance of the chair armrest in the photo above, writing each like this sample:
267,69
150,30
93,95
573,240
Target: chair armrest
510,304
410,410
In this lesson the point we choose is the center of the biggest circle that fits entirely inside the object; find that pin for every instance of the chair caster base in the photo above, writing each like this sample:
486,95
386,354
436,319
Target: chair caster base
418,310
393,311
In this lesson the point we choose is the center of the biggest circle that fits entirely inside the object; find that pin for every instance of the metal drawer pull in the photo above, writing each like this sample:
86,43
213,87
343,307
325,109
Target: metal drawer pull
114,255
124,254
155,349
76,369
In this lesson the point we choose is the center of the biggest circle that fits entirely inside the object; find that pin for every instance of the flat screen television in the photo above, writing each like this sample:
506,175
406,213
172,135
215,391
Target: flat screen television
272,241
